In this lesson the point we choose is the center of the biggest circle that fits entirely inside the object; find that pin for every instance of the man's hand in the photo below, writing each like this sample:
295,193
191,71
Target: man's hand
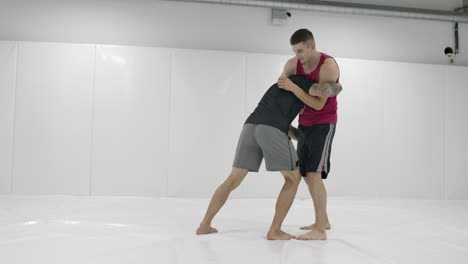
286,84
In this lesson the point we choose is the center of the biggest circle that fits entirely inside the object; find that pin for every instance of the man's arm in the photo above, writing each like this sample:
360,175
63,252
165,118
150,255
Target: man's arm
315,102
329,73
325,89
289,68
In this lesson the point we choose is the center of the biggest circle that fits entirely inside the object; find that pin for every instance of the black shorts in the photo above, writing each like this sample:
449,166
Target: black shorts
314,148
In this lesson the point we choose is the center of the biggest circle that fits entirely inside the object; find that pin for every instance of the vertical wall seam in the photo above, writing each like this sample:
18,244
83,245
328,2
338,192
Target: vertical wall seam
169,128
91,140
444,162
15,87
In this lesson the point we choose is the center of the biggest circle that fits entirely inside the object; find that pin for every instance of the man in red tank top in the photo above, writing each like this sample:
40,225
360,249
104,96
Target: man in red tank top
317,124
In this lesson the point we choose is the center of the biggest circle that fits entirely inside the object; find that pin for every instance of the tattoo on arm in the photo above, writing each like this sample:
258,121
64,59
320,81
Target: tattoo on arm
325,89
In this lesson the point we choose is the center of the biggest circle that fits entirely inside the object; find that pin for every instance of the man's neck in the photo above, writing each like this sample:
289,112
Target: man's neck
313,61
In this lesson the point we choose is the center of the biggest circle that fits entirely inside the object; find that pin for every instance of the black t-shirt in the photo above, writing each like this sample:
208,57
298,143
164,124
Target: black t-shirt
279,107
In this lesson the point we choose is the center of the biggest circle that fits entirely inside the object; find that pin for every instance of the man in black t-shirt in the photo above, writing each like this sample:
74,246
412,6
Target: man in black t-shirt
265,136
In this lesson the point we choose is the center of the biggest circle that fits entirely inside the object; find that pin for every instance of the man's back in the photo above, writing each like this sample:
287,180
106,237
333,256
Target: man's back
278,107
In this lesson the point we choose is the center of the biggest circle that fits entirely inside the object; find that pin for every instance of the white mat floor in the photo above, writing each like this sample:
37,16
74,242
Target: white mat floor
70,229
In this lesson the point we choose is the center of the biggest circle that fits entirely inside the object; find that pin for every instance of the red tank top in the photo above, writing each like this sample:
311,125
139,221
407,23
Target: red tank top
328,114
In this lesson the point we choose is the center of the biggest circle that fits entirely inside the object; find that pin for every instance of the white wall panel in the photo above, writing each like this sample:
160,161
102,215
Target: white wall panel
356,156
207,113
456,162
413,99
131,121
167,123
53,119
8,55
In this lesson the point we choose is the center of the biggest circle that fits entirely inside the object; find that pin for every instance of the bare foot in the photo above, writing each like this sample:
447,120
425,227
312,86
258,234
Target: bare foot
204,230
279,235
315,226
313,235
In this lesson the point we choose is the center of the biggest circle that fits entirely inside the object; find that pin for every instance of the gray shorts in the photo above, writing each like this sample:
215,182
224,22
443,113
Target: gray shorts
261,141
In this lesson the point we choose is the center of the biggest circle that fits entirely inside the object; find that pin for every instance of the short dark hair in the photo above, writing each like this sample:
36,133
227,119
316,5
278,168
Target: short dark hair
301,35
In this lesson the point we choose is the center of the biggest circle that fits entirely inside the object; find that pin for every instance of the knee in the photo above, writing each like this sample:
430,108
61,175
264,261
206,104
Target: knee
313,177
292,178
234,180
232,184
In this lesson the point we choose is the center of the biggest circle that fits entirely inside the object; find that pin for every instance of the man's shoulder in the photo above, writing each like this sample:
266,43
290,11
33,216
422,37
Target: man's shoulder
329,63
327,56
290,67
329,70
292,62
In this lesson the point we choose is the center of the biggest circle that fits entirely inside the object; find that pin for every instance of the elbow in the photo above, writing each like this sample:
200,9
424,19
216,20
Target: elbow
315,107
316,103
318,107
321,104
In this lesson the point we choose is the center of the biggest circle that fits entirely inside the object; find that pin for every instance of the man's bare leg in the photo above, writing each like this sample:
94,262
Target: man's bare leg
219,198
312,226
319,196
283,204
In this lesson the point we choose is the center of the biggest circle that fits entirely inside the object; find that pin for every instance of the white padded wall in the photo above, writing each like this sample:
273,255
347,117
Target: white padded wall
166,122
53,119
357,146
456,145
131,121
207,112
8,55
413,133
390,134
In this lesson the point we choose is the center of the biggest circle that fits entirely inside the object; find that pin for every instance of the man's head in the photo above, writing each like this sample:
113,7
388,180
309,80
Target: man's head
303,44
